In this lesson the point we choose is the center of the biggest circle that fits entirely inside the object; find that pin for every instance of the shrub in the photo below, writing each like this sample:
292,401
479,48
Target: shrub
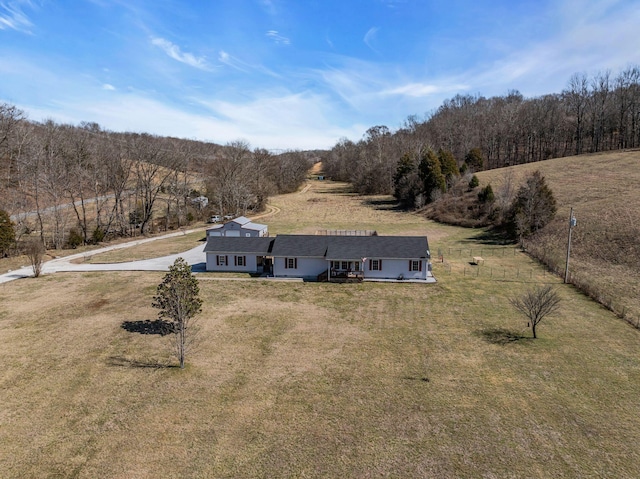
75,239
486,195
98,235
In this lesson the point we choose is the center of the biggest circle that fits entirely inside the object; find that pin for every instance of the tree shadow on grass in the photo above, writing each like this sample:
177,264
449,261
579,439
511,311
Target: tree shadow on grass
119,361
199,268
502,336
494,237
423,379
346,190
390,204
147,326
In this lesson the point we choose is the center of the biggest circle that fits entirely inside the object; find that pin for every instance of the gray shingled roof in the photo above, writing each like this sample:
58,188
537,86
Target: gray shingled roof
351,247
239,244
389,247
310,246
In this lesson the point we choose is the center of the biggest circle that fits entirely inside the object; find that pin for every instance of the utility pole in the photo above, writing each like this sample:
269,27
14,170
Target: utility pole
572,223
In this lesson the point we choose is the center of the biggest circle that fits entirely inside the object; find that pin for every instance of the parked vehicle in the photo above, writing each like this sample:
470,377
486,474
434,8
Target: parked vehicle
215,219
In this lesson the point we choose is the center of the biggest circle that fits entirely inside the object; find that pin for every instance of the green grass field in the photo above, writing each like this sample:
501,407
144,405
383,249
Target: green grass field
320,380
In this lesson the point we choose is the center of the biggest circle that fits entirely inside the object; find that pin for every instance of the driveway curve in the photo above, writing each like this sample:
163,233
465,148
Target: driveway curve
195,257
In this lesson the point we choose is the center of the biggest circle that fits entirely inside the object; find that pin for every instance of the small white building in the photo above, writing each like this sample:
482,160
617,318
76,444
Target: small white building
240,226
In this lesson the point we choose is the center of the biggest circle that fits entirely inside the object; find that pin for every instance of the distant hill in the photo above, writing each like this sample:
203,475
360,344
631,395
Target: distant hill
603,189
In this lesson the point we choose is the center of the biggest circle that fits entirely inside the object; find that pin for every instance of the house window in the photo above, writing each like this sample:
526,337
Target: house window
375,264
345,265
415,265
241,260
221,260
335,265
356,266
291,263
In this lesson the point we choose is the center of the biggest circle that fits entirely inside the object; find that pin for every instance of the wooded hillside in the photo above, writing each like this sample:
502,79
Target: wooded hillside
592,114
72,184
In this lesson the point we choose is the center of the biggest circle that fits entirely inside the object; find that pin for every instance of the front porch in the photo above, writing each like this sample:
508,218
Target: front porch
345,271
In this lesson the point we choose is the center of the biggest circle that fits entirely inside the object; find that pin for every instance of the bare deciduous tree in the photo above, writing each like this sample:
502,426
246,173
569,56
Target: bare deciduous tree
536,304
35,252
153,166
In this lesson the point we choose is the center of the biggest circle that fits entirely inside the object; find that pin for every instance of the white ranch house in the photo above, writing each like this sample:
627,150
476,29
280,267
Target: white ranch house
323,258
240,226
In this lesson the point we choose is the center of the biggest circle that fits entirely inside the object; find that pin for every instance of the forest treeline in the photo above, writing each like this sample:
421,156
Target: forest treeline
81,184
592,114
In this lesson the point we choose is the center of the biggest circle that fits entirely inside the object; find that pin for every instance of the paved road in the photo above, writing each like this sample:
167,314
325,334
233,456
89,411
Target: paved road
195,257
63,206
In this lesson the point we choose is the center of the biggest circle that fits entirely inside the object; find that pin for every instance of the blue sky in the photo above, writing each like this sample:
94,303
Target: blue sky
284,74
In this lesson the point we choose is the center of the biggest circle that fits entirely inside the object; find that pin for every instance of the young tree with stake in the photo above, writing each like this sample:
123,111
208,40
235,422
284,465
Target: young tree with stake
178,300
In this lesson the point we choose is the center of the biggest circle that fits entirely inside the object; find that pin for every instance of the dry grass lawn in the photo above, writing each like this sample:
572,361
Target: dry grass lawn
154,249
605,249
319,380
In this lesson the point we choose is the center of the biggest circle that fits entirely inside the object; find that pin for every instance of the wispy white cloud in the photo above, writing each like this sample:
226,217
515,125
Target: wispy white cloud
12,16
421,90
545,66
370,36
284,120
270,120
177,54
108,87
231,61
329,42
277,38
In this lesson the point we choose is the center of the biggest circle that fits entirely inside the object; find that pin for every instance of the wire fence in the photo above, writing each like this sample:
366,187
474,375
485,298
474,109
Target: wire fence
476,267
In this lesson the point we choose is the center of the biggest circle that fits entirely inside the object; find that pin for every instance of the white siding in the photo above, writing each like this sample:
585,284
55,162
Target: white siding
234,229
250,267
393,268
308,268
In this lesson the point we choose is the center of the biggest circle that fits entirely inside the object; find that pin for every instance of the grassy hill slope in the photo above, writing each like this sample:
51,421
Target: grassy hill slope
605,250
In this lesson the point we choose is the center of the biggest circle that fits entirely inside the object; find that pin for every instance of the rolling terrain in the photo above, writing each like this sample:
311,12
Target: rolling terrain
602,188
295,379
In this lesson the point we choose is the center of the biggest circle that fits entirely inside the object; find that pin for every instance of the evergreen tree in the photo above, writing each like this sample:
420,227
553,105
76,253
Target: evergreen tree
449,166
474,159
406,181
178,300
533,207
7,233
431,175
486,195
